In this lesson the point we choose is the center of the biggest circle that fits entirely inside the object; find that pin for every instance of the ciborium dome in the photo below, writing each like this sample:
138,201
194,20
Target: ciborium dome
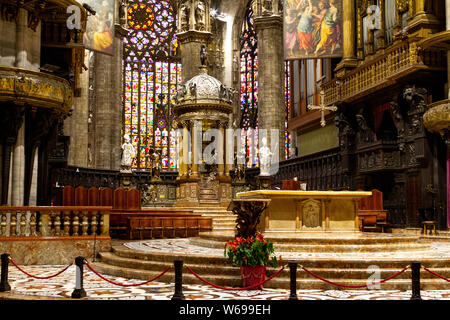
203,92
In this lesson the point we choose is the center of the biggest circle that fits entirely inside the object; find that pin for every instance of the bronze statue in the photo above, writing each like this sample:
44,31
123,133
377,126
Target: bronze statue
203,55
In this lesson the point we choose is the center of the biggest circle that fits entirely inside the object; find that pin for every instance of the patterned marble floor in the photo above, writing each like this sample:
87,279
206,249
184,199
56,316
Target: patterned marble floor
62,286
438,250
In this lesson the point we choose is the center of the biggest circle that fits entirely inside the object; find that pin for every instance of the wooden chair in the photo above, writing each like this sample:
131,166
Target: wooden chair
191,227
106,197
167,227
179,225
119,199
371,214
133,199
81,196
93,196
68,196
204,224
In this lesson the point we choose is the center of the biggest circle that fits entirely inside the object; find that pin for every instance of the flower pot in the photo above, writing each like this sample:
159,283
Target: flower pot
253,275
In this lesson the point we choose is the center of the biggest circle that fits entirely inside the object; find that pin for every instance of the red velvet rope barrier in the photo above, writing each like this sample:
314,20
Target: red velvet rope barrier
234,289
354,286
127,285
436,274
36,277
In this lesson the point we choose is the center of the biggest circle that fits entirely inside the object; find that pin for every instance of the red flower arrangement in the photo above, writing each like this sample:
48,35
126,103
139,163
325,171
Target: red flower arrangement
251,251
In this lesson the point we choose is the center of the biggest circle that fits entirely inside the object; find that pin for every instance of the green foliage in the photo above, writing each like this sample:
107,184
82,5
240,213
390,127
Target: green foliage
253,251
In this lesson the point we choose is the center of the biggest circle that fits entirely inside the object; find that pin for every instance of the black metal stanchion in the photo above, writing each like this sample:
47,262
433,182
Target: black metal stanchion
79,291
178,295
4,285
293,283
415,278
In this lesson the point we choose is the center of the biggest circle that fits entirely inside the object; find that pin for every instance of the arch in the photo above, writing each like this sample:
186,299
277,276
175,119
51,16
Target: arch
152,76
248,75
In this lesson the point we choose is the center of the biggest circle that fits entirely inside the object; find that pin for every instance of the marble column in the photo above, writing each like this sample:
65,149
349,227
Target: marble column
271,108
17,177
221,149
33,192
185,150
195,144
28,43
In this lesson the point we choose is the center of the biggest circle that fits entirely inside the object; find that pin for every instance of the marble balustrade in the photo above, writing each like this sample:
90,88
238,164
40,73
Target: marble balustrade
54,221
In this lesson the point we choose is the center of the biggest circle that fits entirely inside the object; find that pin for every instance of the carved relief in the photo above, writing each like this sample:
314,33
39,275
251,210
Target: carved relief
365,133
9,12
311,213
412,154
346,132
415,98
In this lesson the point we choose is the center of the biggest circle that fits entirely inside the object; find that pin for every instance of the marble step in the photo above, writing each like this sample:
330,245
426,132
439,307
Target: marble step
232,279
229,270
330,239
325,248
344,261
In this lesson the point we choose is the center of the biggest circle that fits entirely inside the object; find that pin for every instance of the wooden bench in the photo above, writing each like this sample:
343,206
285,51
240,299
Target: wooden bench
371,214
166,227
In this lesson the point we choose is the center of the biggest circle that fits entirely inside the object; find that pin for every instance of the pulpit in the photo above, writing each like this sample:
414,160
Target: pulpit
295,210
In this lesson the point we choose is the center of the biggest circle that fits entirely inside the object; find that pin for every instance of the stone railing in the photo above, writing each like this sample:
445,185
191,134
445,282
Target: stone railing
382,70
54,221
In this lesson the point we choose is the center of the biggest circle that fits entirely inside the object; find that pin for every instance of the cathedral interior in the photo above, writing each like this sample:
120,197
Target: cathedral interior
322,124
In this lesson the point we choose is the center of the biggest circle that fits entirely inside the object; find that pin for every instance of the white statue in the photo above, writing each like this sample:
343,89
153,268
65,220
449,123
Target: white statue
128,154
200,15
265,156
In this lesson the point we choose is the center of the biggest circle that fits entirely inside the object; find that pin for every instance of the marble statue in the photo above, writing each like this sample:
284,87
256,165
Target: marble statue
156,164
265,156
184,15
239,165
128,154
200,15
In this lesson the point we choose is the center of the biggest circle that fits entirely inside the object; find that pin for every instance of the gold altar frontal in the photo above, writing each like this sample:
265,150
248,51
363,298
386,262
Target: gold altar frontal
309,210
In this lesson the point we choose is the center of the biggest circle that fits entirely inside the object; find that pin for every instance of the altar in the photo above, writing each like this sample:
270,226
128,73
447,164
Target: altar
293,210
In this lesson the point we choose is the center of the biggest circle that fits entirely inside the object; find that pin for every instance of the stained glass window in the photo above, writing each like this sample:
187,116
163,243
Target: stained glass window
287,101
152,75
249,88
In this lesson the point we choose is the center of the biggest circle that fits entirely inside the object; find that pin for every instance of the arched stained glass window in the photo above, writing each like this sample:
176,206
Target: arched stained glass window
152,75
249,88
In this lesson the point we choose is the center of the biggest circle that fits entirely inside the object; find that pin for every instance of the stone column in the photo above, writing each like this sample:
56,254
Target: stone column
447,16
195,142
271,108
76,126
185,150
349,60
18,169
28,42
33,192
221,149
107,109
